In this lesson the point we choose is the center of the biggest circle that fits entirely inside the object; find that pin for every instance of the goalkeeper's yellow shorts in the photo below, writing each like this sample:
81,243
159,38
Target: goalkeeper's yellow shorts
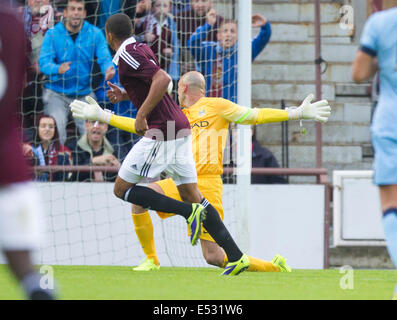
210,187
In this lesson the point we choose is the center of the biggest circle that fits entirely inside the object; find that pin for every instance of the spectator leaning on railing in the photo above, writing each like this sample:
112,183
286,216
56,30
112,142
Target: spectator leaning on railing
95,150
218,60
66,58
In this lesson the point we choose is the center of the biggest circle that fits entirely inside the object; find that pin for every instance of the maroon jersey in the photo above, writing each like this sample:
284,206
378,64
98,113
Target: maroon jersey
13,167
137,65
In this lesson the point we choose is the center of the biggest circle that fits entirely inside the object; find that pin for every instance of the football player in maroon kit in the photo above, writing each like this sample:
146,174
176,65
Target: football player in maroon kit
20,209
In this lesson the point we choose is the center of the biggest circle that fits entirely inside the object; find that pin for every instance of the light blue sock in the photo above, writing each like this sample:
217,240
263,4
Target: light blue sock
390,229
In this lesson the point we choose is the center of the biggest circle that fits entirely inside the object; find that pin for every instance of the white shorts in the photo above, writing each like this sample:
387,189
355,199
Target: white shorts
148,158
21,224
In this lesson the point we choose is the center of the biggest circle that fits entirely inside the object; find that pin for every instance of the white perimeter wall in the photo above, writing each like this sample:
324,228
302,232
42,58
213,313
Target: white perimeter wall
87,225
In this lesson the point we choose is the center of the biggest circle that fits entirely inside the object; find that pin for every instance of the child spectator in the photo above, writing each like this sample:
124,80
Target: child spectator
218,60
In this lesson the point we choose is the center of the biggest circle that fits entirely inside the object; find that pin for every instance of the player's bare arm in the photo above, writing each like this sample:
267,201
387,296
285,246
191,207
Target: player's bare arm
364,67
158,88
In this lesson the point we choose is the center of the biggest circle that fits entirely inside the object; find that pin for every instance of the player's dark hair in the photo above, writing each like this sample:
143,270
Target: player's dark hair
120,25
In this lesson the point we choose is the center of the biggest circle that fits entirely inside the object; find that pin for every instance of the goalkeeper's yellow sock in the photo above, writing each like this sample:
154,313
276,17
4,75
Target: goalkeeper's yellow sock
256,265
144,231
225,261
259,265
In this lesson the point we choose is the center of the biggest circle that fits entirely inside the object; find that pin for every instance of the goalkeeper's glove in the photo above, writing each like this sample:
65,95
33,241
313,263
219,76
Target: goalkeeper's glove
90,110
319,111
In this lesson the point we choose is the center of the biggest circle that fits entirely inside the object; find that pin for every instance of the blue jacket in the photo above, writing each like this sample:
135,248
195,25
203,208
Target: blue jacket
205,53
58,47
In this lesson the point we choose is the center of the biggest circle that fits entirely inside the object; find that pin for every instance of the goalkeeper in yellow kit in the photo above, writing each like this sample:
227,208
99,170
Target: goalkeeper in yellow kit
209,119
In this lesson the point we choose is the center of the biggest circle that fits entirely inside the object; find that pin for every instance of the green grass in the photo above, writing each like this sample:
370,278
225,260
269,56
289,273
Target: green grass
97,282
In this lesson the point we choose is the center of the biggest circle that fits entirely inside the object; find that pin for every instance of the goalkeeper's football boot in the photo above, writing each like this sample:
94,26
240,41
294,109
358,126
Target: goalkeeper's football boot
281,263
147,265
194,222
235,268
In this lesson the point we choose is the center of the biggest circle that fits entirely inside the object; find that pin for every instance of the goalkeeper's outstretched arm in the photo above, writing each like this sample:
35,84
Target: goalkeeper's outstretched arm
318,111
92,111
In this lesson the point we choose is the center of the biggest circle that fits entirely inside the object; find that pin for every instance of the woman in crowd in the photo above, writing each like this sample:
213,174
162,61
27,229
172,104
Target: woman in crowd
47,150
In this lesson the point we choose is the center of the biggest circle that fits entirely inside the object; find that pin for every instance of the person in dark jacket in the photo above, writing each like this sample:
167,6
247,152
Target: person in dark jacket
264,158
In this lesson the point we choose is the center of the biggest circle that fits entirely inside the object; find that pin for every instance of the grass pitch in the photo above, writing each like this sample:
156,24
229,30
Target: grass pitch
107,283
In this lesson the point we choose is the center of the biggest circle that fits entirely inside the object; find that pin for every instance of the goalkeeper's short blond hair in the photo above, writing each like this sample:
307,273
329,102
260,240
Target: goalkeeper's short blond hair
194,79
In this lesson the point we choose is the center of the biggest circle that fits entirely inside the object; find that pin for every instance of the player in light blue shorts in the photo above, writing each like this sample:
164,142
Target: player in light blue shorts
378,51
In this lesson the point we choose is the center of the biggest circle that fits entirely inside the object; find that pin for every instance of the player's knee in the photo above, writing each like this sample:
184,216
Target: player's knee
118,192
121,192
156,187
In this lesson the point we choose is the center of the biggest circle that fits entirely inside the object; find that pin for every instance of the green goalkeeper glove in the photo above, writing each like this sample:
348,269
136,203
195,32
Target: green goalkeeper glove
319,111
89,111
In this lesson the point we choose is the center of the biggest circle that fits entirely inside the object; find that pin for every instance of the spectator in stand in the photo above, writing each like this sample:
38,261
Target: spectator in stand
66,58
180,6
218,60
159,31
47,151
263,158
142,9
187,23
98,11
94,149
38,16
